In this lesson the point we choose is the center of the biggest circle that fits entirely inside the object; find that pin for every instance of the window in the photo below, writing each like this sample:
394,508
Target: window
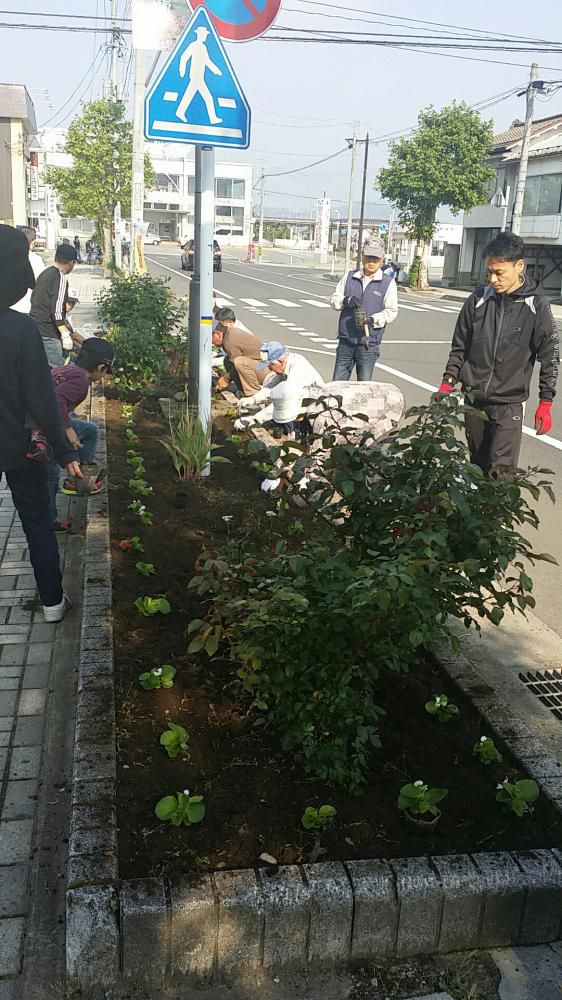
238,190
223,187
191,184
542,195
437,248
167,182
174,208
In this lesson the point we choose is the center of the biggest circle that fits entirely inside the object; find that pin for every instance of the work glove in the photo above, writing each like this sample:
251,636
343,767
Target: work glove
353,302
444,388
67,342
242,423
543,417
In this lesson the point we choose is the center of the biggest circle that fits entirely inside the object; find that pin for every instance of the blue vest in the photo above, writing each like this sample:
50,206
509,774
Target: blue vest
372,300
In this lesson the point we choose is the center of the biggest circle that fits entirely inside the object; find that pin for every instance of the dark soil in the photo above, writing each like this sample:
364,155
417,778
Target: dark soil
254,794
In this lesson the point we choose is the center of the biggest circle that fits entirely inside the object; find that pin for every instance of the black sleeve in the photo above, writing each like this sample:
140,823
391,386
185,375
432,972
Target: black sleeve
58,299
39,394
461,336
547,348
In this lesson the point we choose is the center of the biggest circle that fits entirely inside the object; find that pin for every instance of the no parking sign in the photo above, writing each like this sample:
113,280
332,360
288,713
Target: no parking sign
240,20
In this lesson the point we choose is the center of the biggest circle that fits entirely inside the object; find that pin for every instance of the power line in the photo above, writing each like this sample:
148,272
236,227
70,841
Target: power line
75,91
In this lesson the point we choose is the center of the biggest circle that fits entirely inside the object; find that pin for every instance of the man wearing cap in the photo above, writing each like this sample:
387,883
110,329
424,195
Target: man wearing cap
48,304
242,350
72,384
288,378
368,301
26,387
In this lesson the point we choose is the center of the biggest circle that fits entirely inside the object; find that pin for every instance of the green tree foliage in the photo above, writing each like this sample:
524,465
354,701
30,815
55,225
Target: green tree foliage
100,142
442,163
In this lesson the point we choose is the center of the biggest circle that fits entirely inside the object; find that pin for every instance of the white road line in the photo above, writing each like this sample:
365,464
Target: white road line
282,322
299,329
432,308
415,309
264,281
329,343
387,340
254,302
313,302
286,303
182,274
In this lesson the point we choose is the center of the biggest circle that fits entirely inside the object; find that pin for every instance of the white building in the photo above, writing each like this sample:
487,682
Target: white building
169,206
17,126
541,222
402,250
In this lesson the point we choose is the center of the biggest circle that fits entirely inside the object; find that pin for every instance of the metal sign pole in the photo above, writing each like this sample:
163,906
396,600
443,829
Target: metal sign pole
207,226
194,320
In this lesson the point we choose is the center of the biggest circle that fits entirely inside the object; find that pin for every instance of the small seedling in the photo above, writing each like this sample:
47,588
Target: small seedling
441,708
318,819
418,798
158,677
149,606
145,569
131,544
485,750
146,516
175,740
132,438
518,796
182,808
140,486
137,463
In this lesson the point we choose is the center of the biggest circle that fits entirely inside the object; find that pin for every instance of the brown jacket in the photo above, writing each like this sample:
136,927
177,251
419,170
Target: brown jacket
237,342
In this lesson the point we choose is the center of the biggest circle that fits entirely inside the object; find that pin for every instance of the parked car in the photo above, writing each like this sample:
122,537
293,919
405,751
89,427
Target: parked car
151,239
189,253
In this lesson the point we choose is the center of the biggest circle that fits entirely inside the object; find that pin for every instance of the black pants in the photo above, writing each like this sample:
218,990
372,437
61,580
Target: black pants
28,486
495,443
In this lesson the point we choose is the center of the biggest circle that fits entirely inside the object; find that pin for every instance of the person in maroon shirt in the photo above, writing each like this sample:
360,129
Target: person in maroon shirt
72,384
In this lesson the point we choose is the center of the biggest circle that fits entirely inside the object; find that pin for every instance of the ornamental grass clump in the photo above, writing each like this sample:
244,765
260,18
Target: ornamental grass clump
406,534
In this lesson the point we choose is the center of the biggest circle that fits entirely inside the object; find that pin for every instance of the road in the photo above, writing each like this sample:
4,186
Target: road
281,302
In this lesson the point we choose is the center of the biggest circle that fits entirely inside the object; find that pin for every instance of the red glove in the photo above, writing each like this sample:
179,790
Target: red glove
444,388
543,417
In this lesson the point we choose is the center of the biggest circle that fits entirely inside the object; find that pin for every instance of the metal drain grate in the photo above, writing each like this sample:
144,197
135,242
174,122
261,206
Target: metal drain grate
547,685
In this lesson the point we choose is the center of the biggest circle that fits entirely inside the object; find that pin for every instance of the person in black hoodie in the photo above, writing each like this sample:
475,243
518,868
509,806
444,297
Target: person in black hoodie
26,387
502,330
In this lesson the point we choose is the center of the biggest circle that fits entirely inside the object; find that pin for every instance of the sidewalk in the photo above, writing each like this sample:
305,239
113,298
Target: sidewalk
37,691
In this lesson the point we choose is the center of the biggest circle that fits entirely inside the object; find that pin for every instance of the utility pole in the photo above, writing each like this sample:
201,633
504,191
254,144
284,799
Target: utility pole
260,231
362,212
115,99
353,146
524,160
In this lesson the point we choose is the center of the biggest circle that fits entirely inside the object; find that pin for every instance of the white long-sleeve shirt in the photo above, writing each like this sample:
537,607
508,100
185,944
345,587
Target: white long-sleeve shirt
287,394
386,315
37,266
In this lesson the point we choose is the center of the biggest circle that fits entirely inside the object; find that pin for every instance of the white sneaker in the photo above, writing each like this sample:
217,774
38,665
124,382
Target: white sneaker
56,612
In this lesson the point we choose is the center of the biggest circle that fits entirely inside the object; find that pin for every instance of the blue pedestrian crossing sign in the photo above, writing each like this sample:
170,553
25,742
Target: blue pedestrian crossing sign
196,98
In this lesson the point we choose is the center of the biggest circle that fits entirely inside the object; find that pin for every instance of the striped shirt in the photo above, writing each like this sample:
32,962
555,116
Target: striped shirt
48,302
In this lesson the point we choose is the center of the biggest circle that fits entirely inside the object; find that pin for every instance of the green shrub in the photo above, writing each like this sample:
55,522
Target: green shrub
190,446
407,534
139,314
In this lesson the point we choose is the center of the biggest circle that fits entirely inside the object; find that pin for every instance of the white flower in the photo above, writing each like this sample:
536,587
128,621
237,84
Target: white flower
227,517
418,784
157,671
483,739
499,787
270,513
141,508
437,701
186,792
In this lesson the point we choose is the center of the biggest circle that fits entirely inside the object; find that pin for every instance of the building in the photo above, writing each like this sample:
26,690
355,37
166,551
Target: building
17,126
541,222
402,250
170,205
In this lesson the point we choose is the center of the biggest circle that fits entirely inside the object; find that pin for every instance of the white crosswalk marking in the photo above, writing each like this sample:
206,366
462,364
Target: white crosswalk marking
415,309
440,309
329,343
286,303
254,302
315,302
299,329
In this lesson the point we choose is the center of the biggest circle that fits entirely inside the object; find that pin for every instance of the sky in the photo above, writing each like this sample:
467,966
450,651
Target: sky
306,97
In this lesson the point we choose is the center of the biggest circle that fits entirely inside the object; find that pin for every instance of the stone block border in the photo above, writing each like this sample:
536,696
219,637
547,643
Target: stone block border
231,925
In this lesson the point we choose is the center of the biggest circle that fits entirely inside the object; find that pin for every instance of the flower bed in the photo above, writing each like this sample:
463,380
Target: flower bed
254,794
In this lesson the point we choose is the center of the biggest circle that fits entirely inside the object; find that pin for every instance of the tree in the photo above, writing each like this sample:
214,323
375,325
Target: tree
442,163
100,142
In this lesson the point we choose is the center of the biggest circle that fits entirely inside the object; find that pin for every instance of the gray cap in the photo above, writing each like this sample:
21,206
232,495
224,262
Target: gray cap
373,247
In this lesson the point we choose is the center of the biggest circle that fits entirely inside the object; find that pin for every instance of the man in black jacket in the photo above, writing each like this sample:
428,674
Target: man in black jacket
26,387
502,330
48,305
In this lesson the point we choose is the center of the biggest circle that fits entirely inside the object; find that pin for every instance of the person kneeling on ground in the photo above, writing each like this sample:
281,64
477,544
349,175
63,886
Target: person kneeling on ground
242,351
72,383
289,377
26,387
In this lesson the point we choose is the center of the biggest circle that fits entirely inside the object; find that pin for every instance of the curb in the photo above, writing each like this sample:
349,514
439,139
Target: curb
226,926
